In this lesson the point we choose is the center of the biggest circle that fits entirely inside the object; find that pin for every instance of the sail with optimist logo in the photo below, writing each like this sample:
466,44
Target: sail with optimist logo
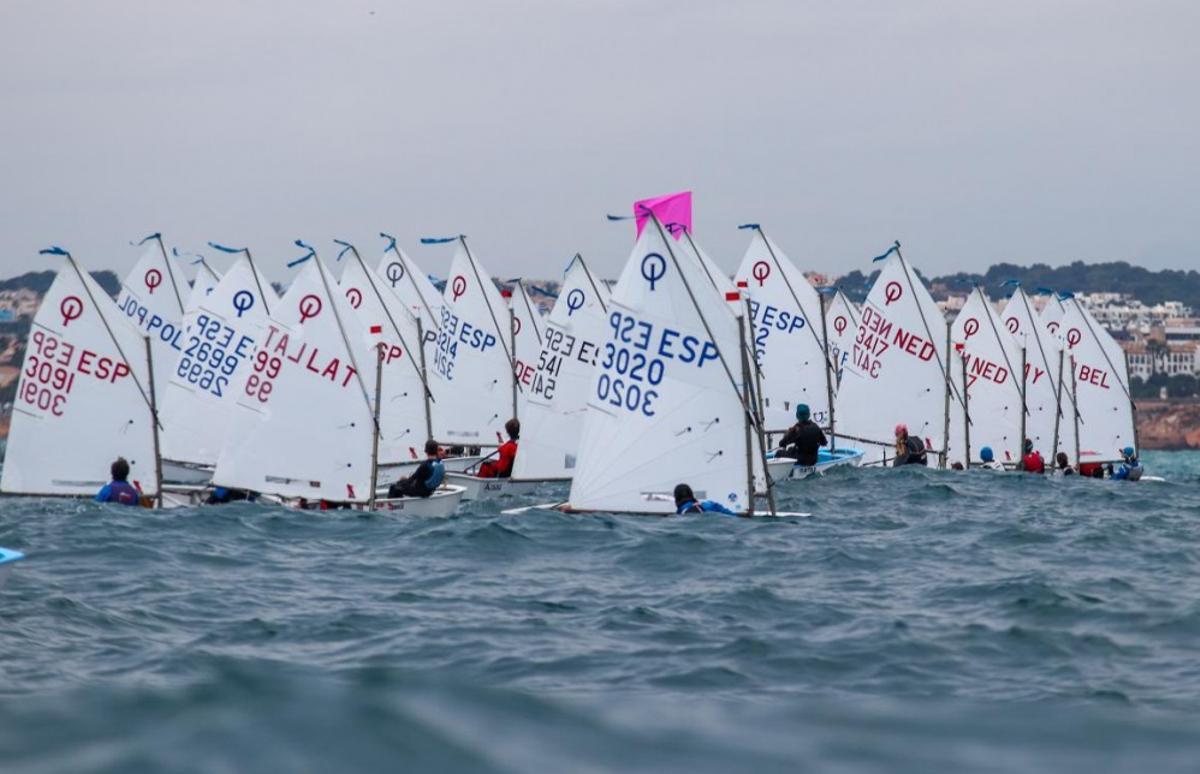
216,353
1100,382
841,326
152,300
387,323
472,373
1050,406
527,338
787,344
896,373
666,404
83,398
561,383
412,286
303,424
988,361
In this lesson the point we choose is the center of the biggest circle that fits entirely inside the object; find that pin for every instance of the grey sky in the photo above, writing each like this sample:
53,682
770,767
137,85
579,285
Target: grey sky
972,131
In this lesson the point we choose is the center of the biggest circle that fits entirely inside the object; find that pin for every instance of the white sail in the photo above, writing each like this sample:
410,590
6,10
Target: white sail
216,354
83,396
413,287
528,338
841,324
987,363
561,385
895,374
203,285
472,370
388,323
664,407
152,300
1101,384
303,425
786,334
1049,405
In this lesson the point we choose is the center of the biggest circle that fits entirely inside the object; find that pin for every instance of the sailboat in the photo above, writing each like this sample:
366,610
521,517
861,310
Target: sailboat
898,367
85,395
1049,401
670,401
788,341
841,326
216,354
561,383
989,363
305,429
1106,423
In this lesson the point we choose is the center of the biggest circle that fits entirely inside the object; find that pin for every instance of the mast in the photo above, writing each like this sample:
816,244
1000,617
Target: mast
966,415
375,418
158,496
828,372
943,456
1075,408
1058,402
424,375
1137,445
512,372
1024,387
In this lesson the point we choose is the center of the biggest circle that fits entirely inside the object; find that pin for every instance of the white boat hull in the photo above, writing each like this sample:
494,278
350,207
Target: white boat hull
185,473
487,488
391,473
825,461
442,503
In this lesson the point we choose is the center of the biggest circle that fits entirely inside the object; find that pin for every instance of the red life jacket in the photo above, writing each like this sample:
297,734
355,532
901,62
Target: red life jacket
1033,463
503,465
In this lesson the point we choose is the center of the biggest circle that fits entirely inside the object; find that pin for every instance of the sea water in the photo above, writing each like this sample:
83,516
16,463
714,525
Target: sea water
917,621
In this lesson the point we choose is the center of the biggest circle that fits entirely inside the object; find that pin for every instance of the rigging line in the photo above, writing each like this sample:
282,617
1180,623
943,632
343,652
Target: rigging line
987,306
412,280
113,336
1033,324
588,273
929,333
687,286
753,353
849,306
512,364
345,339
533,316
170,272
379,296
1103,351
257,282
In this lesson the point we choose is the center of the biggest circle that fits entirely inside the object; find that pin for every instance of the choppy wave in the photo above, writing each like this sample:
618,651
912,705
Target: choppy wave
916,621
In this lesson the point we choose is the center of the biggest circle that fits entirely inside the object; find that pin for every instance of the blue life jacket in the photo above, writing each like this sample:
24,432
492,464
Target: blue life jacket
1129,471
436,476
704,506
121,492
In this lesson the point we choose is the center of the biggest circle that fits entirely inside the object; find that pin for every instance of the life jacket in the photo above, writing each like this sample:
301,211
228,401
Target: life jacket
436,476
122,493
1033,463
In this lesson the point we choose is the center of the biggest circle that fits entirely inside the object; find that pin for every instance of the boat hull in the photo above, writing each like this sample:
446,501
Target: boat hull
487,488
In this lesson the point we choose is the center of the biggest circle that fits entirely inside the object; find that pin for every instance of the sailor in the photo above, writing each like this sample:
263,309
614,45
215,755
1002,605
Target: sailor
1031,459
1131,469
803,439
425,479
221,495
910,450
989,459
506,454
119,490
1062,465
1091,470
685,502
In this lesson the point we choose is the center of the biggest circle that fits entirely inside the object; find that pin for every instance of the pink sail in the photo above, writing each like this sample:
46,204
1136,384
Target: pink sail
674,211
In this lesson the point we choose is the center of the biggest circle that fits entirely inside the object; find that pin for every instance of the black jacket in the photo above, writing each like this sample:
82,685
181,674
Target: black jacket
801,441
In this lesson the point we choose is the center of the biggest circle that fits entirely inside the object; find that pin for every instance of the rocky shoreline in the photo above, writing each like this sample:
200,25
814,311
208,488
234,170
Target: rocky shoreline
1169,424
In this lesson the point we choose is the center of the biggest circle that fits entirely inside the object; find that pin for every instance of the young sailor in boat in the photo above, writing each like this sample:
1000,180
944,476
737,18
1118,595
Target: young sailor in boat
119,490
803,439
221,495
1131,469
1063,465
506,454
1031,461
685,502
910,450
989,459
425,479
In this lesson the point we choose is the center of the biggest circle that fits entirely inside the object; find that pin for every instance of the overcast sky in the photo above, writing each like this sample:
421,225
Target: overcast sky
973,132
